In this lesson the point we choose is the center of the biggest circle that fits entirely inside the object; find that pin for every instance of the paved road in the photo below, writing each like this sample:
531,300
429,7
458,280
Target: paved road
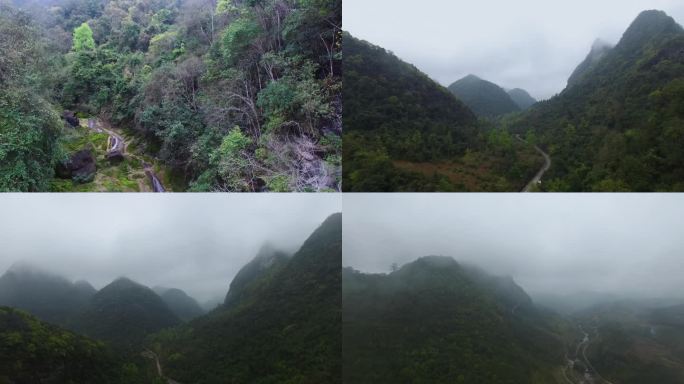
590,375
547,165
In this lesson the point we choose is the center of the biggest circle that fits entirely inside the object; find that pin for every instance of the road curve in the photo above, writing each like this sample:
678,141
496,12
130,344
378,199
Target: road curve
547,165
583,347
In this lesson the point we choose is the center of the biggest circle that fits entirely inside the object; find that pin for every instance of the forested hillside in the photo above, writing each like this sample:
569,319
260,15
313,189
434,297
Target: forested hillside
123,313
434,320
32,351
619,125
405,132
281,323
227,96
282,326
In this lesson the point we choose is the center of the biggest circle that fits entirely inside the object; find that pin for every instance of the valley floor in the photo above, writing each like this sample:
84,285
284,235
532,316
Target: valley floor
482,172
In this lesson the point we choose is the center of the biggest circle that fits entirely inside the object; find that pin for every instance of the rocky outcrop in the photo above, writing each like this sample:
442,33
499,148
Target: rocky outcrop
115,157
70,118
80,167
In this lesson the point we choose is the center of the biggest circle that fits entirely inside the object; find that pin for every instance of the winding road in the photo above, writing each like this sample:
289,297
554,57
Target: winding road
590,376
116,143
547,165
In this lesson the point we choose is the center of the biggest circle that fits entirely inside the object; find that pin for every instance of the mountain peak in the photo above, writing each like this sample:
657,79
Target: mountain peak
485,98
25,267
123,282
522,98
653,16
648,25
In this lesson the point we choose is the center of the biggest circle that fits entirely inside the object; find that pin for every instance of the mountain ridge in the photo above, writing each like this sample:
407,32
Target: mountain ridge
485,98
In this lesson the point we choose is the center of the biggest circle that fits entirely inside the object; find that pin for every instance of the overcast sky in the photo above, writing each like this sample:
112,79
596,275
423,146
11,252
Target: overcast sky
631,243
195,242
530,44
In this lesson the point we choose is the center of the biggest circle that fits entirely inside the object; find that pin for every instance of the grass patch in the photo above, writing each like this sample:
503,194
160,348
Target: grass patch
61,185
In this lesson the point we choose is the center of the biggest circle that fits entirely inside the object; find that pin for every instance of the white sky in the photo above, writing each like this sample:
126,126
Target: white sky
530,44
195,242
556,243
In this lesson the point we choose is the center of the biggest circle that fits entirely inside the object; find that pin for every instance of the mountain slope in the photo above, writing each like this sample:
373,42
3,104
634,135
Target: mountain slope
406,133
32,351
49,297
598,51
620,125
124,313
485,98
182,305
521,98
267,262
436,321
286,330
395,112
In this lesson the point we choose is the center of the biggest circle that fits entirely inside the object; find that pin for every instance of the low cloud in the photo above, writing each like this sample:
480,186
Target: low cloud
530,44
195,242
623,244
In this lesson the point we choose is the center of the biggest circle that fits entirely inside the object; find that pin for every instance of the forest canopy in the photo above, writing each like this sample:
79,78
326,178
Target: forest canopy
229,95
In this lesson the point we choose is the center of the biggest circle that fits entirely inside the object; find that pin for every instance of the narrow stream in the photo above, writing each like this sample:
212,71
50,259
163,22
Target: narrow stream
116,143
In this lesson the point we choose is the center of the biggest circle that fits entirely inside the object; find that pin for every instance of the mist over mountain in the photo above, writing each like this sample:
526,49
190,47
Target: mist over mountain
521,98
280,255
124,313
485,98
268,261
50,297
551,289
442,322
284,324
182,305
598,51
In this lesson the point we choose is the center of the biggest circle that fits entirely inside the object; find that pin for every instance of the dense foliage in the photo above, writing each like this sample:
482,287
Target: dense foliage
404,132
619,126
231,96
286,330
485,98
29,124
35,352
434,321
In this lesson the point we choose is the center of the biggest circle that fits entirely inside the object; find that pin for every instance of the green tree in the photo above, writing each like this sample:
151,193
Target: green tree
83,38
